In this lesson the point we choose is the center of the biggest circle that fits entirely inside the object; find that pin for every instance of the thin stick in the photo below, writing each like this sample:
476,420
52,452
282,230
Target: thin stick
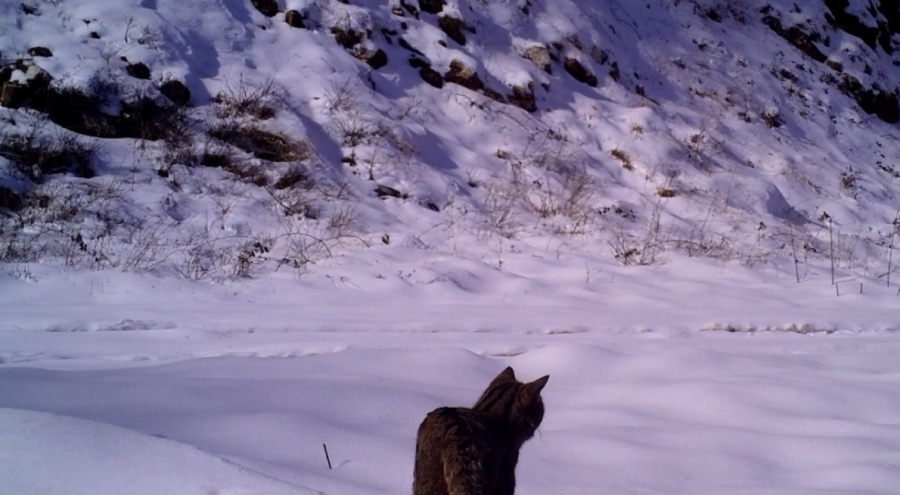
891,252
860,287
837,290
831,247
794,253
328,459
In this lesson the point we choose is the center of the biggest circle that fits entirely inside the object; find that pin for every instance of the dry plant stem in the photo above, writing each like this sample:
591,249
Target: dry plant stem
831,250
894,227
794,254
327,459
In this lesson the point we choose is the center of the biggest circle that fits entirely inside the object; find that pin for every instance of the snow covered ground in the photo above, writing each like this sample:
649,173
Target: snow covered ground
189,388
773,413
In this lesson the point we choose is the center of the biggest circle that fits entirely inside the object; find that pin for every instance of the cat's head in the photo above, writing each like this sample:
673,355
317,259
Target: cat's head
520,404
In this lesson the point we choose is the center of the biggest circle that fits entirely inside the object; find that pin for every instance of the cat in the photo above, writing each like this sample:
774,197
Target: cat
474,451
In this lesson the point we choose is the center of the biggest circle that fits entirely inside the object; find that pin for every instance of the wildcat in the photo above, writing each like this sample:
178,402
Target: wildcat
474,451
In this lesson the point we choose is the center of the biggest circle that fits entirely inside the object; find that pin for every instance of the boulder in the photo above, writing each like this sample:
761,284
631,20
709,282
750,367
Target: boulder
539,56
267,8
176,92
575,69
464,76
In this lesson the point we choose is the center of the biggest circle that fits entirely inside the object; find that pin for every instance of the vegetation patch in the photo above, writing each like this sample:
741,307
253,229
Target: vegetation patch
295,176
623,158
263,144
36,158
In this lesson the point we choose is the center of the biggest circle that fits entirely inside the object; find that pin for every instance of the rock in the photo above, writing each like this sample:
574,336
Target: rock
887,107
383,191
599,55
295,18
431,6
29,9
9,200
796,36
40,51
579,72
539,56
378,60
267,8
13,95
138,70
418,63
176,92
523,98
464,76
413,11
431,77
348,38
453,28
16,94
494,95
614,71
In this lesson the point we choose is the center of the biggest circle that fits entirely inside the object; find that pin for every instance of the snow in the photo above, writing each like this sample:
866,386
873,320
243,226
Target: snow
155,360
710,413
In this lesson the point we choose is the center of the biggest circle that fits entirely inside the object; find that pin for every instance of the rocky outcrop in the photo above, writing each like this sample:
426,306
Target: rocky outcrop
579,72
539,56
267,8
176,92
464,76
432,6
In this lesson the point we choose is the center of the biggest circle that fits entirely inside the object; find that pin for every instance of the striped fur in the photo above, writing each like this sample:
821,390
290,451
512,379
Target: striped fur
474,451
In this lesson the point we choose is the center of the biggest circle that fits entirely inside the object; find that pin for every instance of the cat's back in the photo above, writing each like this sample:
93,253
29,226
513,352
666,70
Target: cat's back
451,439
446,426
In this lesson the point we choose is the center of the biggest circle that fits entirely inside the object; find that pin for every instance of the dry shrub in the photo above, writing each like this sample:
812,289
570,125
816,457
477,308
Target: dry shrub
263,144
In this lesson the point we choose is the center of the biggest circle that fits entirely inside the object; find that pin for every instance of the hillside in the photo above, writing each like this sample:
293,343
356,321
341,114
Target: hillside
453,142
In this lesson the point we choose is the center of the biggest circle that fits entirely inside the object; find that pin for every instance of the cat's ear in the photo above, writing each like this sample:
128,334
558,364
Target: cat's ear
536,386
507,375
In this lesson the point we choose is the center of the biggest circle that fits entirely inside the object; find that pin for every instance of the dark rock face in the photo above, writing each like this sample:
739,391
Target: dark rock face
453,28
523,98
383,191
431,77
40,51
431,6
18,95
885,105
872,100
295,19
413,11
797,36
10,200
267,8
176,92
579,72
464,76
850,24
138,70
378,60
347,38
540,57
494,95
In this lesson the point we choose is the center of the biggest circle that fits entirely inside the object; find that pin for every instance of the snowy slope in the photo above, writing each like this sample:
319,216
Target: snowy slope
705,133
